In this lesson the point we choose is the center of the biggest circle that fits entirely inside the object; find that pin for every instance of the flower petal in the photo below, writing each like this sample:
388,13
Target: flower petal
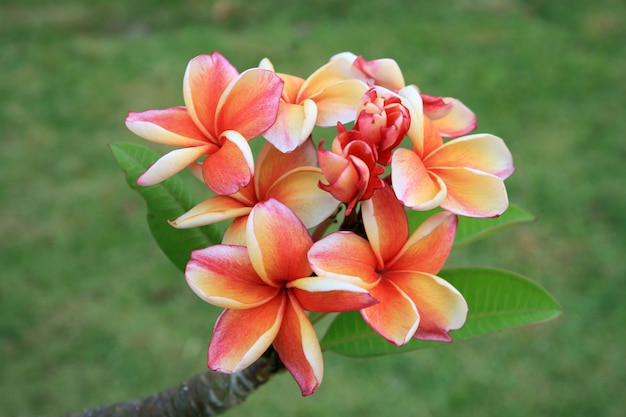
294,124
249,104
412,100
451,117
235,233
432,137
292,87
206,78
428,247
386,224
277,243
329,295
344,181
483,152
272,164
241,336
332,73
413,184
212,210
472,193
171,163
298,348
345,256
384,71
298,190
230,167
222,275
441,307
339,102
266,64
171,126
395,317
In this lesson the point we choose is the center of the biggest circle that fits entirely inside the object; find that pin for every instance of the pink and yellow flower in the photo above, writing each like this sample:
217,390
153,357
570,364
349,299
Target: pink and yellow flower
223,110
265,288
328,96
398,270
289,178
464,175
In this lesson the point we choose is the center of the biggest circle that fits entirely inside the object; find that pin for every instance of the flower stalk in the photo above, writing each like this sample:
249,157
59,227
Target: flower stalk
207,394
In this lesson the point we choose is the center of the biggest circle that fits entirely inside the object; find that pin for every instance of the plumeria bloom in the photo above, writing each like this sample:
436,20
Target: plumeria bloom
289,178
223,110
330,95
397,269
464,175
350,167
265,288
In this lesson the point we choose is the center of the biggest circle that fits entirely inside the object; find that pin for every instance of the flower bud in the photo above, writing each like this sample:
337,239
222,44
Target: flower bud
350,168
384,120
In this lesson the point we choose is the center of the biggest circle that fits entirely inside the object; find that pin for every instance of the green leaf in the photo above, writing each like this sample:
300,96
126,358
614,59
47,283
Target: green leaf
497,300
470,228
164,201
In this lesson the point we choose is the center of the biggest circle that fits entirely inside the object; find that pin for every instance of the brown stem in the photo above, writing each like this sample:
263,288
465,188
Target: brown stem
207,394
354,223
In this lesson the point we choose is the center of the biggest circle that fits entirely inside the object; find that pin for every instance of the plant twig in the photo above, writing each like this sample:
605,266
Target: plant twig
207,394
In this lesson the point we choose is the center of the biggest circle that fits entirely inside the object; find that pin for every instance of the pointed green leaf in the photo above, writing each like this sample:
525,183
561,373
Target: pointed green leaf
164,201
497,300
470,228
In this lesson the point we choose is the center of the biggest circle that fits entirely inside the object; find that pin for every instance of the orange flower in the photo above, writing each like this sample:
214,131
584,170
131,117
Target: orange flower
464,175
224,109
397,269
289,178
265,289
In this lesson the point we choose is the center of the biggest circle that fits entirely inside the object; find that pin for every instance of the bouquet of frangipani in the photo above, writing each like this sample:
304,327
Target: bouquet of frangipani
358,220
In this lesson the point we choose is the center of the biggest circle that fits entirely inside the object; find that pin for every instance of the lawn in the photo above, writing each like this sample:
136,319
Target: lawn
91,312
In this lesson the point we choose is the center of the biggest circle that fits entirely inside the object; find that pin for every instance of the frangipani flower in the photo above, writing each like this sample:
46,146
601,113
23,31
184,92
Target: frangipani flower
265,288
329,96
464,175
397,269
289,178
224,109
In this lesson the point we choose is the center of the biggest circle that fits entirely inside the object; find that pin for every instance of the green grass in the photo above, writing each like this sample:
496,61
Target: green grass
91,312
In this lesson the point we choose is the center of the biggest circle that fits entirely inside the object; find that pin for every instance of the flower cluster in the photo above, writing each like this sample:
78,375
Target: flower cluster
317,228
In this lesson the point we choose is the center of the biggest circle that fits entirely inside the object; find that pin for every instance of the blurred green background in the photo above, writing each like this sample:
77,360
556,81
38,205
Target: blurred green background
92,313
